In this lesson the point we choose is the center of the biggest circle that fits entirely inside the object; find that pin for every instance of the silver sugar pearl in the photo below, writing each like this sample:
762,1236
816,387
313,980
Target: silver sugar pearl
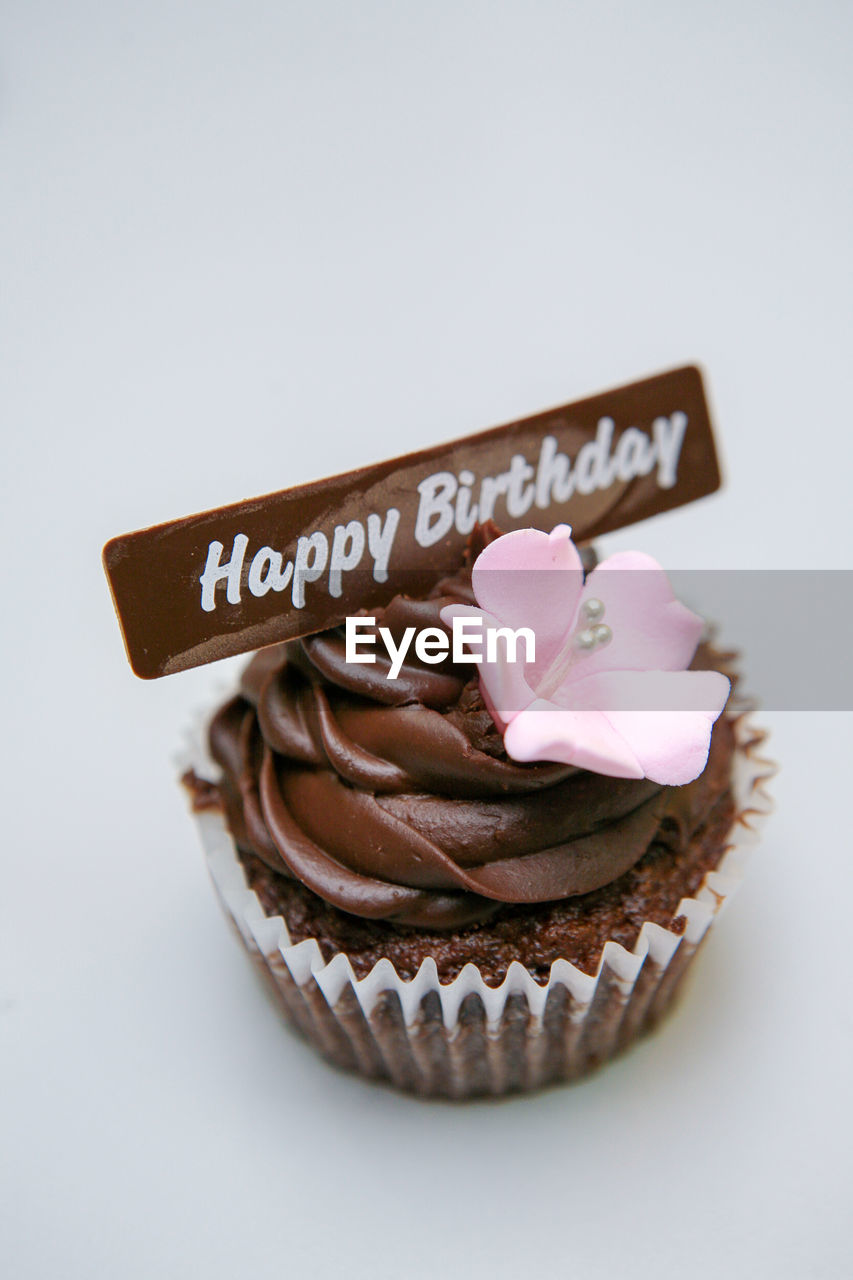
585,639
593,610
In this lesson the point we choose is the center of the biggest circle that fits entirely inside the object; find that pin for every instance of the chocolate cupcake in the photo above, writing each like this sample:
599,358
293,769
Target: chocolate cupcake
450,887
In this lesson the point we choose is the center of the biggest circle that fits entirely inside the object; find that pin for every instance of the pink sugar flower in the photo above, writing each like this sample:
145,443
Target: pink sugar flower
609,689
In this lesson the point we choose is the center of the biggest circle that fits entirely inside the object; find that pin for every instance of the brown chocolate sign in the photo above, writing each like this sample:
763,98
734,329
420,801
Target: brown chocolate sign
234,579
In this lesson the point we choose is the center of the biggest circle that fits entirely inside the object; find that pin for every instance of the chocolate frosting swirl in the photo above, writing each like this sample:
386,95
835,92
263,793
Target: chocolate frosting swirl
395,799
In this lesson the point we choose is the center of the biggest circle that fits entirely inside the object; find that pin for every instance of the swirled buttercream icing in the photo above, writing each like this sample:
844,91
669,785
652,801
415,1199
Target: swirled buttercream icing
395,800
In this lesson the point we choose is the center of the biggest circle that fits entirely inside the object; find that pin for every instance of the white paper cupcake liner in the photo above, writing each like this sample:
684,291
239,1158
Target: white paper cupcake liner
464,1038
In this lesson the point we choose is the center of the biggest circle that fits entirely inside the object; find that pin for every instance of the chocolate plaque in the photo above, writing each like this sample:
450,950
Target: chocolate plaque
234,579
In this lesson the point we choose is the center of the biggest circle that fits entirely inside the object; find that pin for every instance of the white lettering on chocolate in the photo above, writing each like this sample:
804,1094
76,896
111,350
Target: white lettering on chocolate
215,571
490,490
380,539
635,455
669,437
554,479
466,515
435,509
347,547
309,562
519,494
446,502
259,582
593,468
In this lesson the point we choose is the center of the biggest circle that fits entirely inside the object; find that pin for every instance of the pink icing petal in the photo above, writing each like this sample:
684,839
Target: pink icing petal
647,691
585,739
628,709
672,746
510,582
651,629
664,717
505,690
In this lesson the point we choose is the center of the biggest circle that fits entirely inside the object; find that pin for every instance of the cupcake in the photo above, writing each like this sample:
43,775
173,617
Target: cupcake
470,879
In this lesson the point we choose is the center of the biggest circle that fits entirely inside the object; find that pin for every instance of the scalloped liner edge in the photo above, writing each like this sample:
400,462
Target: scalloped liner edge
299,970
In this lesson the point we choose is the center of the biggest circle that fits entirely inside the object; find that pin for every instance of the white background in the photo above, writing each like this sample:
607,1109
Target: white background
248,244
